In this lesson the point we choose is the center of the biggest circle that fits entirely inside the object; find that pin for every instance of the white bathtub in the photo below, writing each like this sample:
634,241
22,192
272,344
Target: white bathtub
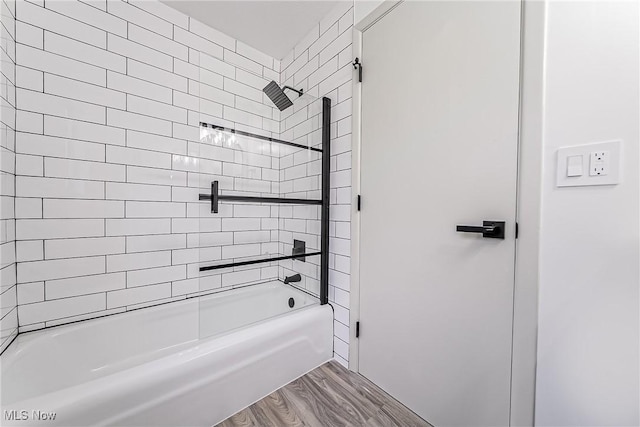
190,363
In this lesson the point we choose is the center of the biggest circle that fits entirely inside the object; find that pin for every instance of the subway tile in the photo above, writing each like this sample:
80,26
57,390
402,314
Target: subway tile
156,243
335,47
334,15
135,86
29,229
55,309
141,175
191,133
100,4
30,292
196,42
240,224
70,287
195,225
127,120
59,268
186,101
240,116
216,65
157,42
139,52
133,14
27,186
90,15
240,277
186,69
323,41
28,250
137,157
7,253
61,24
7,184
29,34
152,276
8,276
69,208
57,106
189,256
27,78
328,68
156,109
83,52
237,251
83,131
40,145
210,78
336,79
29,122
78,169
120,191
28,208
156,75
68,88
209,108
182,287
155,209
242,237
137,261
60,65
137,227
73,248
136,295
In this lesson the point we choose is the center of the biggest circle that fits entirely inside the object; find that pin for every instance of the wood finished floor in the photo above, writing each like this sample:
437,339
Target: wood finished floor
328,396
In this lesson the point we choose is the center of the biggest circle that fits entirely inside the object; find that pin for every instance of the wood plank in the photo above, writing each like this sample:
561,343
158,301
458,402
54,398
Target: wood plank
328,396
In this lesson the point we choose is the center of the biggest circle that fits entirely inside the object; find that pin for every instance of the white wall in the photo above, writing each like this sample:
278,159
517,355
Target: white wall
587,368
8,309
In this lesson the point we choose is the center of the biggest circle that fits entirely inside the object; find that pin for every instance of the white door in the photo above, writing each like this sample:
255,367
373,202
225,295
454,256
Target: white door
439,149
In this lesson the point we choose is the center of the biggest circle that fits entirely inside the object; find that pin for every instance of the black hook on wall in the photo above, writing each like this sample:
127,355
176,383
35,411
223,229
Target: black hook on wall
357,65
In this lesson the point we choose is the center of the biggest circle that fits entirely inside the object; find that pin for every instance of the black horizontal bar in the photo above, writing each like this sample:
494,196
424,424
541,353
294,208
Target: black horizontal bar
257,261
263,199
264,138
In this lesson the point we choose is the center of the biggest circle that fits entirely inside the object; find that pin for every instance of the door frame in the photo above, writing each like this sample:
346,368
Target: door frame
528,203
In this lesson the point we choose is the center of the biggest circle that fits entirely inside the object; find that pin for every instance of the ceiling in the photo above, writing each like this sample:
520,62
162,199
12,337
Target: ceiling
272,27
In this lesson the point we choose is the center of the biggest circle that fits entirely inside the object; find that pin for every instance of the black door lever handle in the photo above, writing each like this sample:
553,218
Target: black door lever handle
489,229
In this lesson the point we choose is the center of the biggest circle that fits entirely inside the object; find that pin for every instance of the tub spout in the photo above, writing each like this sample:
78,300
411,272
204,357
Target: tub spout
294,278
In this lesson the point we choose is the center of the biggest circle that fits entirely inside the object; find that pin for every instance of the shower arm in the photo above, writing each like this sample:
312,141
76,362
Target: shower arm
299,92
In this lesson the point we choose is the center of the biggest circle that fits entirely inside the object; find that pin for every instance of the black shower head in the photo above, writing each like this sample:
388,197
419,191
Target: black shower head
277,96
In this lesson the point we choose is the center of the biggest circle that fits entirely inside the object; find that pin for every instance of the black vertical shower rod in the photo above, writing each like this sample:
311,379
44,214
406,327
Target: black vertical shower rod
326,184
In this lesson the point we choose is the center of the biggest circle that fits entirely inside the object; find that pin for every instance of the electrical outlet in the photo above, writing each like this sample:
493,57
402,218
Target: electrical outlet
599,163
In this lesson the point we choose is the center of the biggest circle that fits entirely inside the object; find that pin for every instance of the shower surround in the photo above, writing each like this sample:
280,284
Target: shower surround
110,159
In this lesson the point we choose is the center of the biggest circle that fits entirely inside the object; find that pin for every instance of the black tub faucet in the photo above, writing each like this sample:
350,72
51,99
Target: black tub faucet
294,278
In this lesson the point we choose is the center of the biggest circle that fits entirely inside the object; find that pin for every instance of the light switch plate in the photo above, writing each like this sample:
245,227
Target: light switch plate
598,155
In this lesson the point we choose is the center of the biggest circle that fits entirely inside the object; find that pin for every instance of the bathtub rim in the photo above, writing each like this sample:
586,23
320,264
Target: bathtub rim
187,298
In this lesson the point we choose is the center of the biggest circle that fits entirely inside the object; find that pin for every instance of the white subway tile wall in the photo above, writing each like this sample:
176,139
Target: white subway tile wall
8,124
321,65
109,159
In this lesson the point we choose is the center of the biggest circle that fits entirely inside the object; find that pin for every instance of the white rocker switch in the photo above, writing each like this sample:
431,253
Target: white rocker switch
574,166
